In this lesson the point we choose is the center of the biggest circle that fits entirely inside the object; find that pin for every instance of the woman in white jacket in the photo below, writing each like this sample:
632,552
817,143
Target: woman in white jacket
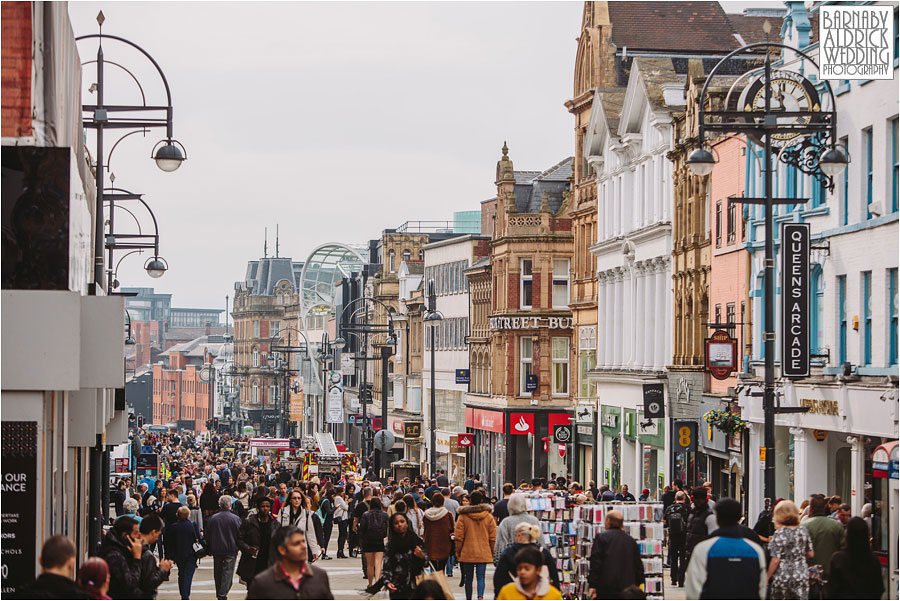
296,513
342,519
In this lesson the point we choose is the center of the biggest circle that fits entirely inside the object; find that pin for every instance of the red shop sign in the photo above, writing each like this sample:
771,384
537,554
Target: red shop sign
397,426
521,423
465,439
482,419
558,419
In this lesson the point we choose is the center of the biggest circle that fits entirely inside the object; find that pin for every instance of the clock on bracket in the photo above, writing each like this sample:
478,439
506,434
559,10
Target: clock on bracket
792,93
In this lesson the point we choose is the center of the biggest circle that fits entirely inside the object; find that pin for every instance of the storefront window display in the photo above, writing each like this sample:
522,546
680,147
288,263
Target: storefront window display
784,456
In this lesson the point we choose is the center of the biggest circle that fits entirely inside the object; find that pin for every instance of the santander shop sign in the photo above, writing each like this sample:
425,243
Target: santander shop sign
521,423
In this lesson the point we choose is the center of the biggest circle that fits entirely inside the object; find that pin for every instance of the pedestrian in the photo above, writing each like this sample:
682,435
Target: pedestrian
130,508
624,495
843,514
606,494
826,534
530,582
404,558
117,496
855,571
415,515
342,519
180,538
152,574
255,542
325,514
93,577
727,565
701,521
518,513
526,534
475,539
122,548
280,498
438,528
196,514
297,513
359,510
615,560
291,576
676,518
222,532
790,548
242,495
209,500
57,560
764,526
501,511
372,531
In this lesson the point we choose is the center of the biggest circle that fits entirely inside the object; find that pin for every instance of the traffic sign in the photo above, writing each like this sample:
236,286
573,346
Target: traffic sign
562,433
384,440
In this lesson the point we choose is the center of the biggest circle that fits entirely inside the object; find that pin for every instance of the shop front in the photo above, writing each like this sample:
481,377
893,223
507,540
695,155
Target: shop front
398,452
450,456
713,461
489,451
610,432
829,448
884,512
652,441
585,439
412,441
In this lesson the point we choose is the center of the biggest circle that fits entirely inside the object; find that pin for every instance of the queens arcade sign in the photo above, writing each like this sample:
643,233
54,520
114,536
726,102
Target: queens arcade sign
795,300
528,323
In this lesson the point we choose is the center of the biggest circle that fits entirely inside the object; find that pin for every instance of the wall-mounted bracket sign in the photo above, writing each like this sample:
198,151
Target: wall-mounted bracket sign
529,323
721,354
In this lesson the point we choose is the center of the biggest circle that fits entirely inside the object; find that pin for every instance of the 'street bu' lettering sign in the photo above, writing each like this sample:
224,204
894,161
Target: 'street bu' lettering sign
795,300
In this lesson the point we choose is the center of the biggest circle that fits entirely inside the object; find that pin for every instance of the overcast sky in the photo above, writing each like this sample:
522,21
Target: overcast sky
334,120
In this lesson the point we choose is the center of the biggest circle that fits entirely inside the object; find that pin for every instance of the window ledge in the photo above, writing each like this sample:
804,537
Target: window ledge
815,211
842,89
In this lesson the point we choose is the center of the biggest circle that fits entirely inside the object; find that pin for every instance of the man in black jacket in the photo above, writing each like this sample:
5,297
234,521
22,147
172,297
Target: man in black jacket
57,568
152,575
122,548
676,517
615,560
291,576
701,521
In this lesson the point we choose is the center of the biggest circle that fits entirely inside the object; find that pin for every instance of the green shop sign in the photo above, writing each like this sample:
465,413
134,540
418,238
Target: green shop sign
609,420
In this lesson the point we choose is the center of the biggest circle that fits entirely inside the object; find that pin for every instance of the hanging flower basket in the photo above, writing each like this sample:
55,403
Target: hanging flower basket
726,422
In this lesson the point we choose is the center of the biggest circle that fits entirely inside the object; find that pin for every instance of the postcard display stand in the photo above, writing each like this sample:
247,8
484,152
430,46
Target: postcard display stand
569,532
643,521
555,512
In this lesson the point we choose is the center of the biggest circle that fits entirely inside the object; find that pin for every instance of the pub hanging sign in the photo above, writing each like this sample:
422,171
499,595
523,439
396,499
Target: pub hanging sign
721,354
795,300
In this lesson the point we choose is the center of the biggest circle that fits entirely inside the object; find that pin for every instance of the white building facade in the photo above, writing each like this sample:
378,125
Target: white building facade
852,389
445,263
628,138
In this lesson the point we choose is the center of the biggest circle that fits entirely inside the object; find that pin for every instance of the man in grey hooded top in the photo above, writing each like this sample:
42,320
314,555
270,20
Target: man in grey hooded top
506,532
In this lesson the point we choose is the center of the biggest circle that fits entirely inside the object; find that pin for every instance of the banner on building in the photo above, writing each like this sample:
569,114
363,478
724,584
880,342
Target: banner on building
654,405
19,542
795,300
685,436
296,397
335,397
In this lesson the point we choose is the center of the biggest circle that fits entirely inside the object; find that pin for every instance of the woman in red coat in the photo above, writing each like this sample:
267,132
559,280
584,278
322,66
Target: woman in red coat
438,532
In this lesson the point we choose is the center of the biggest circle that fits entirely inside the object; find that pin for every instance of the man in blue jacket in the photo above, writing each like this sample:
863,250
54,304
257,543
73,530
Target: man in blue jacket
221,535
726,565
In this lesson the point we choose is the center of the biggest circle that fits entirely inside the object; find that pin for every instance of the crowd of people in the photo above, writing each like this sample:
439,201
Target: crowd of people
815,551
271,527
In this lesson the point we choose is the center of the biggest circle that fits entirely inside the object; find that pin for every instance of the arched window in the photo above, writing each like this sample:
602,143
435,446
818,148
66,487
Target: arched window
391,259
407,254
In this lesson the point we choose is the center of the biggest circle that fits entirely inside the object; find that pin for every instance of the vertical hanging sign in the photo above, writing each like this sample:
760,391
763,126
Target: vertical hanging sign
795,300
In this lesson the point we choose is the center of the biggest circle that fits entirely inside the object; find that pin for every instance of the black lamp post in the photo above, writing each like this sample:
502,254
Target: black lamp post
97,116
433,318
778,109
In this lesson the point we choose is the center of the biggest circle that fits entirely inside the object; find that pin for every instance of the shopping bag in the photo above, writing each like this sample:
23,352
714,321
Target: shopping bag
429,573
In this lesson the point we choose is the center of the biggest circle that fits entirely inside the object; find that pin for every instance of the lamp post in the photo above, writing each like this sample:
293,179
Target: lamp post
807,137
97,116
284,368
433,319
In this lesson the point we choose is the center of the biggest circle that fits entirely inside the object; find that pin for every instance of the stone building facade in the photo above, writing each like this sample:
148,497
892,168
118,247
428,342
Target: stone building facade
530,327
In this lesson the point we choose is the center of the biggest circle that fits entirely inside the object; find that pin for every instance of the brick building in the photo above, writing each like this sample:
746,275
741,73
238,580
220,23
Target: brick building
182,393
529,325
265,302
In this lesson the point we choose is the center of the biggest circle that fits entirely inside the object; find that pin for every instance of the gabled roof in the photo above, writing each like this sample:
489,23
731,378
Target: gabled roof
605,110
674,26
646,82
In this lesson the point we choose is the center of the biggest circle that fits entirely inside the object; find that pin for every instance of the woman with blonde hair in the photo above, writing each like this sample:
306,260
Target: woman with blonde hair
790,548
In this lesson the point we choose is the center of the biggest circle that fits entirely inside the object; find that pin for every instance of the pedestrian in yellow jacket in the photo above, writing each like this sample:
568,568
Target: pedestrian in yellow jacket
529,584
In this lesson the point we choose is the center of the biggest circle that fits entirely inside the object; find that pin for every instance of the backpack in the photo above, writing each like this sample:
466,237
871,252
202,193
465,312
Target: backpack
239,510
675,518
